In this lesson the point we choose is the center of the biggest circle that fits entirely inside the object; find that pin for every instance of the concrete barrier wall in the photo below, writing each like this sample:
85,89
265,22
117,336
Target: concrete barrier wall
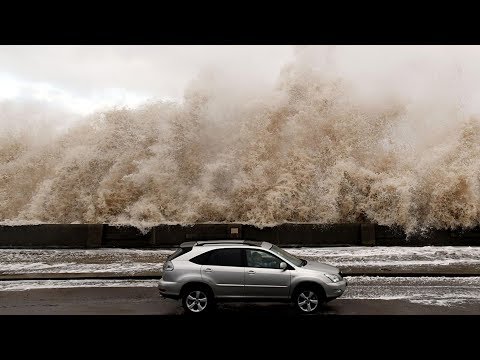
306,234
125,237
385,236
51,235
164,236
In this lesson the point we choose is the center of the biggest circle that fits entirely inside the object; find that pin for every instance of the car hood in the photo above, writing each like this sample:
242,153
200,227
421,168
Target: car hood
318,266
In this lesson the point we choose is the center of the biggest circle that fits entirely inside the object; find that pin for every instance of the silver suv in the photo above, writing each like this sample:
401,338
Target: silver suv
205,272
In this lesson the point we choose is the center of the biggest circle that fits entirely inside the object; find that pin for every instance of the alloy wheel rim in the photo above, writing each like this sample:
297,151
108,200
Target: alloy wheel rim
196,301
307,301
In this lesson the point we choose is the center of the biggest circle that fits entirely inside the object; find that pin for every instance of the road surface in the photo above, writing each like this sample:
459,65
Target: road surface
364,296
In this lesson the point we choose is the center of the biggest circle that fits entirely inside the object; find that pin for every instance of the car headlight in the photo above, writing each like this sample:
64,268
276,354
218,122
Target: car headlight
333,278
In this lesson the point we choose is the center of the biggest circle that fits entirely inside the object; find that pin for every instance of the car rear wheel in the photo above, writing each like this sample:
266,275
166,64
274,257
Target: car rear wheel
308,300
197,300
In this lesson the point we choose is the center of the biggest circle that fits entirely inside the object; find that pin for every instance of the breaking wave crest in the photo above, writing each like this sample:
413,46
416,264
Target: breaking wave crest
309,150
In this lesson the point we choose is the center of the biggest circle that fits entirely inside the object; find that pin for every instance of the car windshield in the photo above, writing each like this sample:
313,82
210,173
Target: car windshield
293,259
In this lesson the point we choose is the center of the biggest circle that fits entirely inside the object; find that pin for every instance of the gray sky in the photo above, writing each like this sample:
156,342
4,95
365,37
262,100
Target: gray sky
81,79
85,78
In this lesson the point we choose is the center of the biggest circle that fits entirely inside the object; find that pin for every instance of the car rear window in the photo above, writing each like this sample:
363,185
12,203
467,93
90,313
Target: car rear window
178,252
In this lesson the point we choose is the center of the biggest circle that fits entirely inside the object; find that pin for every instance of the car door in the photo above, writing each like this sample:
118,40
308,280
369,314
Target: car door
263,276
223,270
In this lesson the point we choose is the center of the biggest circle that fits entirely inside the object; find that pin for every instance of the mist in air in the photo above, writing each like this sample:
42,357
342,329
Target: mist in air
382,134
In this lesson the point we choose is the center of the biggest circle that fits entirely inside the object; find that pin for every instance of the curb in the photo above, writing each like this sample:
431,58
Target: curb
110,276
79,277
419,274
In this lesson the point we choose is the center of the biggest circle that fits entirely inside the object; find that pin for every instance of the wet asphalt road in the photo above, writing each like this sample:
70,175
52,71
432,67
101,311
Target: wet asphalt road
365,296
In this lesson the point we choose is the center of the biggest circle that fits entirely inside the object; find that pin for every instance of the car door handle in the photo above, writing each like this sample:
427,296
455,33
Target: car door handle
251,272
208,270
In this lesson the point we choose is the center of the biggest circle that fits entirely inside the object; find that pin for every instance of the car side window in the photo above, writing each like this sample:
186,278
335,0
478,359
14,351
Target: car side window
262,259
201,259
225,257
220,257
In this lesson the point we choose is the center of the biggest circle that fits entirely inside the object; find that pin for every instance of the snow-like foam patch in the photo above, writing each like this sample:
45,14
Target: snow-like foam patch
24,285
441,291
18,261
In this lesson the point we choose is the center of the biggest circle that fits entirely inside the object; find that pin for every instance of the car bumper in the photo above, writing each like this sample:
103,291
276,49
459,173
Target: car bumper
334,290
169,290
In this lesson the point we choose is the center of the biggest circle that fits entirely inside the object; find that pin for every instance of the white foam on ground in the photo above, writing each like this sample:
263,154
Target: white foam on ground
125,261
24,285
22,261
440,291
395,256
132,268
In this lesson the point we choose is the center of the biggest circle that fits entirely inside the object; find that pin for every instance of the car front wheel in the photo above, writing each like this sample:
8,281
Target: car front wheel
308,300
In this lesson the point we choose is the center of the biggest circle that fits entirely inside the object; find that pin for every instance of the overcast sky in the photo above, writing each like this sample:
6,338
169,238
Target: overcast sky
85,78
81,79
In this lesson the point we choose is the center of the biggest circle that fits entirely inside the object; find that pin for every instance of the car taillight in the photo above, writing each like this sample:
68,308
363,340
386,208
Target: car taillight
168,266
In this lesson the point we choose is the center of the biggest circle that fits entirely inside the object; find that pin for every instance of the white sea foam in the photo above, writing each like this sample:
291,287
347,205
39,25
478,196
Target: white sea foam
386,135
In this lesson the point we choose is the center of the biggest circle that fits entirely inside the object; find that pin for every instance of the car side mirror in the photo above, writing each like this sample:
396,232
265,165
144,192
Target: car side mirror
283,266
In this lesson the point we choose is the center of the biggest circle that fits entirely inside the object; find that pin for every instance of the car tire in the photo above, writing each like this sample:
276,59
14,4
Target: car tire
309,299
197,300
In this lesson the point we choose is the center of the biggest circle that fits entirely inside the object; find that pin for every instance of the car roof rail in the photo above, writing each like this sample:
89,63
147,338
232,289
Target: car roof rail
220,242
